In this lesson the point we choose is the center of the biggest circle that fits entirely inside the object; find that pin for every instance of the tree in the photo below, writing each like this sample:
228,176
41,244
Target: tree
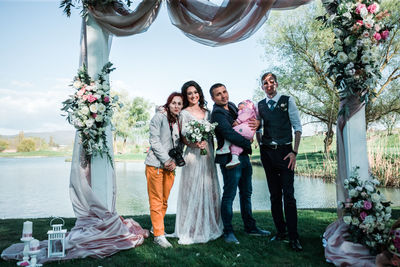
296,44
131,118
390,121
3,145
26,145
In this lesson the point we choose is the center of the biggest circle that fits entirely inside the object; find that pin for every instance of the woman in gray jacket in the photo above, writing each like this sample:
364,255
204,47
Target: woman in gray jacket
160,166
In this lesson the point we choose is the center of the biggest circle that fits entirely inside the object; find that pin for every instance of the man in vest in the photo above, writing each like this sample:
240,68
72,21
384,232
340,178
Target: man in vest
279,115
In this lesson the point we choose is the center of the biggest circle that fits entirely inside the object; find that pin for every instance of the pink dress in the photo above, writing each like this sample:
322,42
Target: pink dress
246,114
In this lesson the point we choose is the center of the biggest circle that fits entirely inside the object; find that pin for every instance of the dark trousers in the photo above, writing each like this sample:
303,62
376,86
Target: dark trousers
240,176
280,183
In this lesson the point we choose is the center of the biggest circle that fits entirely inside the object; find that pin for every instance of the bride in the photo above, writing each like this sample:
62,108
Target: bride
198,216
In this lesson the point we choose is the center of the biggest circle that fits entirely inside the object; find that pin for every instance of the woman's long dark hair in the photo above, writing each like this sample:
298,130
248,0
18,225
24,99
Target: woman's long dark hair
185,86
171,118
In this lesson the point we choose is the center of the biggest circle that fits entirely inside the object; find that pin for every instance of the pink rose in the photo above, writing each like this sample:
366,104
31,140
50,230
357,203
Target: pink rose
94,115
367,205
85,97
377,27
385,34
372,8
363,215
81,92
359,22
91,98
368,25
359,7
106,99
377,36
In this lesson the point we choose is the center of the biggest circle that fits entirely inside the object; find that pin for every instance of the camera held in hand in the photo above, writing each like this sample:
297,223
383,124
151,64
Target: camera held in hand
176,154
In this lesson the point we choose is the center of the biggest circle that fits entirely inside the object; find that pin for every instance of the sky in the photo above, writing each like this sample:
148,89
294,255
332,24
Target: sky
39,52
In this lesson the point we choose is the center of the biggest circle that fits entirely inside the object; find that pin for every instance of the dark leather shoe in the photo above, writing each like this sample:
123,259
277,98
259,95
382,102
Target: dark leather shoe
258,232
295,245
279,237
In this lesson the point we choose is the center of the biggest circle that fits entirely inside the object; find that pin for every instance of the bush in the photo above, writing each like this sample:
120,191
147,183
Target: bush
3,145
26,145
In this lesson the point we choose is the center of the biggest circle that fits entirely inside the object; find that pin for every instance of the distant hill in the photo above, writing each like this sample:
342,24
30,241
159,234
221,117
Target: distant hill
59,137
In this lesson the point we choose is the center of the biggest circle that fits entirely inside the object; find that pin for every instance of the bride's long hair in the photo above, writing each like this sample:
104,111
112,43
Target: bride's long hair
202,101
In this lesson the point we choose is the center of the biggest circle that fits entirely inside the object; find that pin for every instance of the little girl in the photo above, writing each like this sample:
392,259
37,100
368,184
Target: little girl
247,111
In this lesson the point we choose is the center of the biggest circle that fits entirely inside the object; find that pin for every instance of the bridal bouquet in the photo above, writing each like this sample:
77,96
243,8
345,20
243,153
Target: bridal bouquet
367,213
197,131
90,109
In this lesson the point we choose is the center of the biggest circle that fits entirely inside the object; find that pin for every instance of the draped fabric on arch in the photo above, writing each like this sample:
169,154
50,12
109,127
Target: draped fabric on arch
200,20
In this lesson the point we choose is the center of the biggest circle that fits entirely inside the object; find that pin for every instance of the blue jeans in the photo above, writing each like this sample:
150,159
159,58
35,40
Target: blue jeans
240,176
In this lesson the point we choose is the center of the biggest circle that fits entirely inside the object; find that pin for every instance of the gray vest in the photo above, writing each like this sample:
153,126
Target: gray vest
277,126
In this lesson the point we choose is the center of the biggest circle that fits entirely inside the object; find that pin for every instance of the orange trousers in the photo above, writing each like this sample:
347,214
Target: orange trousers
159,184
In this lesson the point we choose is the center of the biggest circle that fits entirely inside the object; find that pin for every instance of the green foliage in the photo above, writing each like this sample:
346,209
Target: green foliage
67,5
3,145
26,145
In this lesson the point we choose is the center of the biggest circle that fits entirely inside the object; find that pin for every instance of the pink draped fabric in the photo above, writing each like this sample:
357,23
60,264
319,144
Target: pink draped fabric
337,250
200,20
120,21
344,253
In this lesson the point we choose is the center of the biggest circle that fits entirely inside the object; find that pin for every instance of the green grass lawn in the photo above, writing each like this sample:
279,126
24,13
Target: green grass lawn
252,251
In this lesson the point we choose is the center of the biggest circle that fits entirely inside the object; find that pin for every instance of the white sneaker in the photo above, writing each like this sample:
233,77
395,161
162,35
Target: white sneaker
162,241
224,149
234,162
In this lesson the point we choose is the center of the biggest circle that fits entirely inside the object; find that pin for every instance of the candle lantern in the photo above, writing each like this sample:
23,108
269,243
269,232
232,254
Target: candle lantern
56,241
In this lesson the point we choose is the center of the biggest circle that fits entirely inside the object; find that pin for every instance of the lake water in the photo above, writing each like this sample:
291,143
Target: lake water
38,187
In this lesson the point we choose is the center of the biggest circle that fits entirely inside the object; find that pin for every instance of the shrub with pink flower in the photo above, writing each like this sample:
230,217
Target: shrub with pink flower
90,110
367,213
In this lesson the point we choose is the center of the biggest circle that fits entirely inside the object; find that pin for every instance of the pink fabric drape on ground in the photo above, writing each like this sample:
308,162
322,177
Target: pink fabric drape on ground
337,250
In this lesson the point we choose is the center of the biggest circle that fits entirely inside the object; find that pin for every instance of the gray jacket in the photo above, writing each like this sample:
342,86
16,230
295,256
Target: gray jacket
160,140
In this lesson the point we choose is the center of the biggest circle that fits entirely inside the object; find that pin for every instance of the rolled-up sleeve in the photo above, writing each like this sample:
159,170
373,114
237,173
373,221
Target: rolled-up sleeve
294,116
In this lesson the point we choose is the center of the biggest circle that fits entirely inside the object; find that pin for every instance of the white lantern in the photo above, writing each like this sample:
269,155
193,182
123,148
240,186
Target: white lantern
56,242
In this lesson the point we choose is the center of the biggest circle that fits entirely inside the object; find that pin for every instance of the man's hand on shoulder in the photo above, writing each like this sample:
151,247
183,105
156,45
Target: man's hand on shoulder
254,124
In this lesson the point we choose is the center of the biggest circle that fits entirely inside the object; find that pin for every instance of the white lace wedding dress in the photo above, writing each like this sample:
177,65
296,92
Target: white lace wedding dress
198,216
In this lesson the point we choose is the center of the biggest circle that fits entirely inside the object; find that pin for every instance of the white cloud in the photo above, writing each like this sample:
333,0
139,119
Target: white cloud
22,84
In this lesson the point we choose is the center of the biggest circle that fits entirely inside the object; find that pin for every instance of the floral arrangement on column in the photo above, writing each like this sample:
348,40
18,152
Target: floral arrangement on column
359,29
90,110
367,213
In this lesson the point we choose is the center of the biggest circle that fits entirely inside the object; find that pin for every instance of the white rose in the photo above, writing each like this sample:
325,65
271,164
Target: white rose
369,187
89,123
93,108
375,197
97,96
84,110
347,15
388,216
388,210
337,32
106,87
89,88
101,108
364,12
100,92
353,193
347,219
342,57
355,221
77,84
99,118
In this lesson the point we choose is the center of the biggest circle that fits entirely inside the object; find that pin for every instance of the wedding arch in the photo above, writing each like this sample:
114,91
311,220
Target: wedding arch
99,231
